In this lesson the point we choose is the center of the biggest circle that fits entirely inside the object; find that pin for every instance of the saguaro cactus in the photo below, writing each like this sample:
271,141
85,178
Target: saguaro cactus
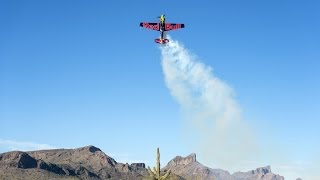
155,174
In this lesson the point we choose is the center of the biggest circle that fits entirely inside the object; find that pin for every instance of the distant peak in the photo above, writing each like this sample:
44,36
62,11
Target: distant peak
93,149
178,160
192,156
90,148
262,170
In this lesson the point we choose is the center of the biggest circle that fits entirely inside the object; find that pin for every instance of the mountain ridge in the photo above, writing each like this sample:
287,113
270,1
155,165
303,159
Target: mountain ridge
89,162
189,168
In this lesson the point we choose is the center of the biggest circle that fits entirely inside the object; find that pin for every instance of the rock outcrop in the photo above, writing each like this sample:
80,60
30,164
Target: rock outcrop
189,168
17,159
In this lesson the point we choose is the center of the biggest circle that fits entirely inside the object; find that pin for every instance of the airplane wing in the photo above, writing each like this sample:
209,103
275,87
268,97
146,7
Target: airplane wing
173,26
152,26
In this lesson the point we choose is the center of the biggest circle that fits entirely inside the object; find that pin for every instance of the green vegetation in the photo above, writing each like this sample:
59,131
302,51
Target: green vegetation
155,174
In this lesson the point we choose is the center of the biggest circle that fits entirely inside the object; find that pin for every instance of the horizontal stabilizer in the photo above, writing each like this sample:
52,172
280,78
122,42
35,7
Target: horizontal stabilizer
161,41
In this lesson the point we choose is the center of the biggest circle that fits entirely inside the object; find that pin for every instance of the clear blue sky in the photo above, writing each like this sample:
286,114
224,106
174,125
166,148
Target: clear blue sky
74,73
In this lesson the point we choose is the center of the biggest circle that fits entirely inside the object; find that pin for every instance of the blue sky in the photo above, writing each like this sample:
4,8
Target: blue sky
74,73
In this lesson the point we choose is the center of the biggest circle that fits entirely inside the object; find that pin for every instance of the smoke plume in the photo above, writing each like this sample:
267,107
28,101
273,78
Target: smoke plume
210,112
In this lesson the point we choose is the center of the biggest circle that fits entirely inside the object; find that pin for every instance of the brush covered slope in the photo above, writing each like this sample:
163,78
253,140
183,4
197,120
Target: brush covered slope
91,163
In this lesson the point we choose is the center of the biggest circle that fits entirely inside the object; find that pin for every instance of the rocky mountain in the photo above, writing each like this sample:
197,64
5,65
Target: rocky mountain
82,163
91,163
189,168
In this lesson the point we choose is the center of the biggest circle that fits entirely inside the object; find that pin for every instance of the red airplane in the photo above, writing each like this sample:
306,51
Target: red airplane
162,26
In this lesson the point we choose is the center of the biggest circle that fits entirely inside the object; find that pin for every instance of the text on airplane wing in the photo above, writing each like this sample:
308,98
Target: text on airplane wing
173,26
152,26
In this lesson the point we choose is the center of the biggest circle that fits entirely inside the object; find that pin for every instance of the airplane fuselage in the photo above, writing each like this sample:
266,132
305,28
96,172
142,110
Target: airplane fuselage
162,25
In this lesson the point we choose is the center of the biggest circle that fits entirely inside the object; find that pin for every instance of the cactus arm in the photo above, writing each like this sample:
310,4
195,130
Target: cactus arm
166,175
152,175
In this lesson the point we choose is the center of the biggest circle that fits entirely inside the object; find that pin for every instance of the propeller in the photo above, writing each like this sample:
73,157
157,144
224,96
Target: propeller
160,16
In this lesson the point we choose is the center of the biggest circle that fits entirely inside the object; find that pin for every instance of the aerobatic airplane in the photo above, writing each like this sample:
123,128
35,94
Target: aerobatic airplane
162,26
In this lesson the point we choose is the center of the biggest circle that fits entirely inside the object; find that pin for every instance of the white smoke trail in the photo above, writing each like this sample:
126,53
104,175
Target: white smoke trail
209,107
